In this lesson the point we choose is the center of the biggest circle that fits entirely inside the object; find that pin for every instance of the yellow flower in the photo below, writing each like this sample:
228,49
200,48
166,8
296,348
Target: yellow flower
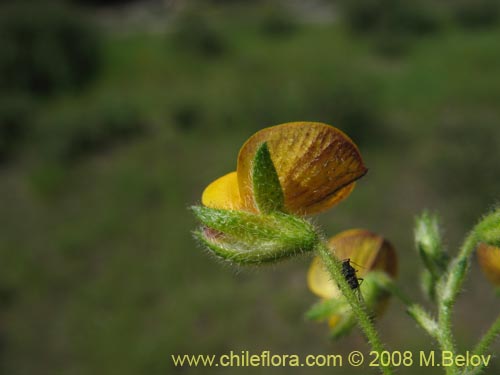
317,166
367,252
489,260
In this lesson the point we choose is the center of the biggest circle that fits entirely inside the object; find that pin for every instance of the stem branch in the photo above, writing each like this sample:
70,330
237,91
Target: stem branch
449,289
484,344
488,338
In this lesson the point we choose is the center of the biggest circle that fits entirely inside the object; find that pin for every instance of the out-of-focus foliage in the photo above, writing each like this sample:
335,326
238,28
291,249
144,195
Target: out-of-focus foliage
76,134
278,21
477,13
98,269
106,2
46,48
16,113
196,35
368,16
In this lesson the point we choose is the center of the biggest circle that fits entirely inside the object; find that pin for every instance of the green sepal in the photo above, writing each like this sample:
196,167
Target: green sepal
343,327
339,307
267,190
430,248
324,309
247,238
429,283
456,275
429,244
488,229
375,287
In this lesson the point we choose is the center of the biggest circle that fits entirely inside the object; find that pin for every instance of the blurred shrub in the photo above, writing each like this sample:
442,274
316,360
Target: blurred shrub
16,114
415,17
278,21
187,116
194,33
477,13
105,2
392,23
79,133
46,47
392,45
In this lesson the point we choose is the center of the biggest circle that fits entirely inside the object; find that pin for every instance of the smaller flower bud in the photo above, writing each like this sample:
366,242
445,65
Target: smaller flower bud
489,260
374,260
247,238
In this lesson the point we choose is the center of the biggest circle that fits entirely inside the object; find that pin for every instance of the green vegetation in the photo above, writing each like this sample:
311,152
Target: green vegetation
98,270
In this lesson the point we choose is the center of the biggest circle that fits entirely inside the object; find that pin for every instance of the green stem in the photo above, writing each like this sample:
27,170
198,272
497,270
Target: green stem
417,312
445,335
449,289
485,342
424,320
392,288
334,267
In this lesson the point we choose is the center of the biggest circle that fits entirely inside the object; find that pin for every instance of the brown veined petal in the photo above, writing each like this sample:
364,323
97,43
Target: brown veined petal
223,193
365,250
489,260
316,163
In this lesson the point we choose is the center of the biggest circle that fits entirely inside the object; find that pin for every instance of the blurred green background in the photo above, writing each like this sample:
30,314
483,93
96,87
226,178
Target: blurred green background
114,116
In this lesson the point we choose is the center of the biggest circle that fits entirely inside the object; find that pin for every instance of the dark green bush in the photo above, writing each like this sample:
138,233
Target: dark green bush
278,21
393,25
104,2
392,45
46,47
416,17
186,116
195,34
83,132
477,13
16,116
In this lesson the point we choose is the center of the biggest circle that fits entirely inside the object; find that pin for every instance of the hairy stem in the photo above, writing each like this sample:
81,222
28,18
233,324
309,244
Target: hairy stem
485,342
448,291
414,310
334,267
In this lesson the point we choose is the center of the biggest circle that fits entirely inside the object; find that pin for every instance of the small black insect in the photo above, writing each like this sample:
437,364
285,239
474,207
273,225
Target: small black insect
350,274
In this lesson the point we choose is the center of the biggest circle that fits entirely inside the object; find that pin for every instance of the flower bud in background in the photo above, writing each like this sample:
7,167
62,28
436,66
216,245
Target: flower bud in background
489,260
485,237
283,172
373,258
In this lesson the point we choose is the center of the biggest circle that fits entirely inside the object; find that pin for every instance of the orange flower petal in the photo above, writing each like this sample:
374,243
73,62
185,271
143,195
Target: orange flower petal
317,165
489,260
366,250
223,193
